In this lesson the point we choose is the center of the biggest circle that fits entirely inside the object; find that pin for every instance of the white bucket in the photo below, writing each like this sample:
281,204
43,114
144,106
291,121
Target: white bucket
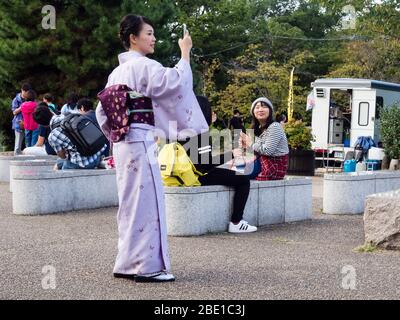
376,153
394,164
361,166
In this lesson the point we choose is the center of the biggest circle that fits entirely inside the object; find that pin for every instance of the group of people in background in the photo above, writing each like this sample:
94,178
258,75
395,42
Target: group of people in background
33,122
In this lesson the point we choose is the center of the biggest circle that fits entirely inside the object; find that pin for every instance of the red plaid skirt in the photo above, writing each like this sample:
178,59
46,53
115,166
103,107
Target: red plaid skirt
273,168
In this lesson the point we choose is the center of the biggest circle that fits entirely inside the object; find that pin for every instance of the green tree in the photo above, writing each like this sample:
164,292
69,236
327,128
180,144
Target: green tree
280,43
390,127
79,54
259,76
242,48
376,54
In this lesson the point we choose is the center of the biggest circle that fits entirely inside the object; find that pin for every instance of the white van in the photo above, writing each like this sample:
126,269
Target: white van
345,109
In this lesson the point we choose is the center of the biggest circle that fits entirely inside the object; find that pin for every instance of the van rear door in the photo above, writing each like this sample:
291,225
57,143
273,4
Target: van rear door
363,114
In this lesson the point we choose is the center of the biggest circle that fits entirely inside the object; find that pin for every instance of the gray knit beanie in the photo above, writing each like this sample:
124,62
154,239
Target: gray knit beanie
262,99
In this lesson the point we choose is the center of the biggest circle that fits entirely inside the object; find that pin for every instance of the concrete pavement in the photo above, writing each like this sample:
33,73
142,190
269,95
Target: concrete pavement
292,261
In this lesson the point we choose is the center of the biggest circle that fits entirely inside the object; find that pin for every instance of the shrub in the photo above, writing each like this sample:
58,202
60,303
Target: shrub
390,130
299,136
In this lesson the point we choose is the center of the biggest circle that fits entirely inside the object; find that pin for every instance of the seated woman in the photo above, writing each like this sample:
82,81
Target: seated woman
199,149
270,145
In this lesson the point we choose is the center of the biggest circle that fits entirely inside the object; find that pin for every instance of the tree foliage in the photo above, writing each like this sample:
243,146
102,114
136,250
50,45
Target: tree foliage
78,55
299,135
390,130
242,48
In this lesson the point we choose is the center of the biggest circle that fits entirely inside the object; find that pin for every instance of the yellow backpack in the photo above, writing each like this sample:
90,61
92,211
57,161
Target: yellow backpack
176,167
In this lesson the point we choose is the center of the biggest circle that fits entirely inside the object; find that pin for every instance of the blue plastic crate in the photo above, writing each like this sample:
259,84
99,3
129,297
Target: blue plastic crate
373,165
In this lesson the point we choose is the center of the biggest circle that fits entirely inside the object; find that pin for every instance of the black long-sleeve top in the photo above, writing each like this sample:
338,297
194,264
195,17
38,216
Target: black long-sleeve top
199,149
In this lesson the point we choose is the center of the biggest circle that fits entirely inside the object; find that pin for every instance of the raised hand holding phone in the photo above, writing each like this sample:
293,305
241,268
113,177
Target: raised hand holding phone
186,44
184,30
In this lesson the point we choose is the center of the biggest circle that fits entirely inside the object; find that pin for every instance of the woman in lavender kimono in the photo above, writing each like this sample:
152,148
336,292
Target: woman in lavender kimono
142,245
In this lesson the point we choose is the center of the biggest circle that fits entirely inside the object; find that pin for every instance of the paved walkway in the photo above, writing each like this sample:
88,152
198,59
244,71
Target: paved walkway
293,261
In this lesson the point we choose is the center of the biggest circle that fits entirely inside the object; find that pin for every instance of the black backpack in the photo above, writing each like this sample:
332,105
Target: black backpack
83,133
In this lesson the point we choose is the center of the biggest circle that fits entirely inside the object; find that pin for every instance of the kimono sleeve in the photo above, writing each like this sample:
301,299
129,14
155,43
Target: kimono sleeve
176,110
167,82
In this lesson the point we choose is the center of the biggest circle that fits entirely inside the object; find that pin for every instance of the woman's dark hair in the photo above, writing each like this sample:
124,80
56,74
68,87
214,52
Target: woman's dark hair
280,117
42,114
205,106
31,95
131,24
42,104
86,104
48,97
258,129
72,100
26,87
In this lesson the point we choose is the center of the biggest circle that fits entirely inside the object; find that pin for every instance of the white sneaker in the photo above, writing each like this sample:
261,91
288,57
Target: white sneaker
241,227
156,277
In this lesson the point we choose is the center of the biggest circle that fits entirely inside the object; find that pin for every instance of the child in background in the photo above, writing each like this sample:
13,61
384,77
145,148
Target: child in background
71,106
42,147
49,99
31,127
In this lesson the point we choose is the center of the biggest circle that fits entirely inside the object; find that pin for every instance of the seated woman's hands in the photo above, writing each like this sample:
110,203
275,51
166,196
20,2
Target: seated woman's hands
245,140
237,153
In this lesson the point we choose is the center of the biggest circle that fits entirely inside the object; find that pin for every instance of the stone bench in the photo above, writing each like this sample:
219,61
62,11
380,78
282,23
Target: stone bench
36,193
29,167
5,162
190,211
345,193
195,211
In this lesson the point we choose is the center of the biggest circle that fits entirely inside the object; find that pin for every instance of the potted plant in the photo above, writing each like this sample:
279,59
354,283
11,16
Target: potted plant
390,133
301,156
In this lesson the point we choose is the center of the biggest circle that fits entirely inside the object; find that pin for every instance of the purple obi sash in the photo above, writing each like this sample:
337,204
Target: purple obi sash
124,106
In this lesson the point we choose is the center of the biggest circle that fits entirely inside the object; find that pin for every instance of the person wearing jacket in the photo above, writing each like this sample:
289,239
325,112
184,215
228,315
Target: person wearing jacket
15,107
72,104
270,143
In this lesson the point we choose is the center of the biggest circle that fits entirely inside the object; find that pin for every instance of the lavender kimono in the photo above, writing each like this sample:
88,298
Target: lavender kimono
142,245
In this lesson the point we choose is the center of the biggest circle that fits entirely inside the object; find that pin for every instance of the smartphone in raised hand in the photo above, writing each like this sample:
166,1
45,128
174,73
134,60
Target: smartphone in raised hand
184,30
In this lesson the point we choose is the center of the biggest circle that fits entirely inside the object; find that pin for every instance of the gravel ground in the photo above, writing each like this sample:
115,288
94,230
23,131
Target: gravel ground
292,261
